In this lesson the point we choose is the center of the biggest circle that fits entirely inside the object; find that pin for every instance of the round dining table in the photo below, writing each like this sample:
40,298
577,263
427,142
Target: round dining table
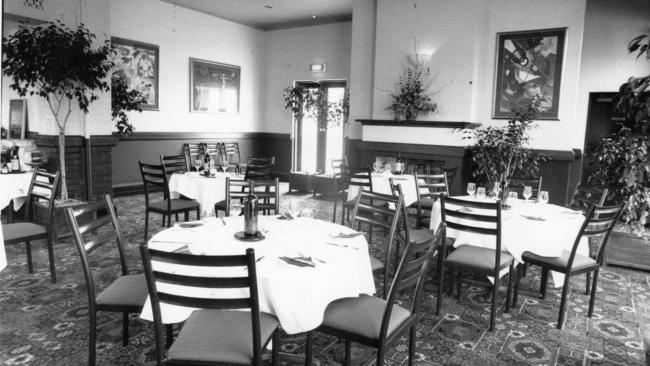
541,228
205,190
297,295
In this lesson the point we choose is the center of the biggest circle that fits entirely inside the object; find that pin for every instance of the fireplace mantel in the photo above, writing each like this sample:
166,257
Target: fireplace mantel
432,124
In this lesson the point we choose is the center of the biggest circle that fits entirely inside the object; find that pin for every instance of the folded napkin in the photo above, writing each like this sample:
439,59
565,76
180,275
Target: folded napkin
187,225
535,218
286,216
298,261
353,234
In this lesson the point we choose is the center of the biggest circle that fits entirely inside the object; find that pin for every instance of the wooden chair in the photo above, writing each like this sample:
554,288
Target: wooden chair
586,196
429,189
42,187
518,184
174,163
156,177
340,171
217,333
380,211
268,196
377,322
361,179
259,168
599,223
482,218
235,189
128,292
214,152
451,175
231,156
193,152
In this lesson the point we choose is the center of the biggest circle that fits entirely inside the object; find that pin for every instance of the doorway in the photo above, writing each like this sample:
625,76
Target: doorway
319,135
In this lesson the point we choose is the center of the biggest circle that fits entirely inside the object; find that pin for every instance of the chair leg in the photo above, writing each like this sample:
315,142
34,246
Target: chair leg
380,356
336,200
343,213
198,213
587,283
92,339
348,351
459,284
186,216
50,254
412,345
565,293
511,270
169,336
146,224
164,220
592,298
125,328
543,285
441,281
276,347
28,250
519,275
169,220
493,311
308,346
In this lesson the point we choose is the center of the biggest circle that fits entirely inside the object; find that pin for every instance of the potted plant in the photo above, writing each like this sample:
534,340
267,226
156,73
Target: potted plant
411,97
124,99
60,65
621,161
501,153
304,100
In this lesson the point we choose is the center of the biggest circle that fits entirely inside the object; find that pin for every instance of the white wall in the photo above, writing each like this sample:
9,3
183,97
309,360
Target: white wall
182,33
606,63
288,54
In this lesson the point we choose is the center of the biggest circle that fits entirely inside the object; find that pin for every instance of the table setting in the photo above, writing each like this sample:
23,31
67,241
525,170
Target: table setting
207,190
302,263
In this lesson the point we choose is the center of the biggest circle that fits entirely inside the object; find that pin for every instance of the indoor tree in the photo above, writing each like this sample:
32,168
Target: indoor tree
124,99
621,161
60,65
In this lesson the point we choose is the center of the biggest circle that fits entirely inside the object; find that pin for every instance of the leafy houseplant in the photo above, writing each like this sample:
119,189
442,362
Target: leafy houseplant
411,96
58,64
312,101
124,99
501,153
621,161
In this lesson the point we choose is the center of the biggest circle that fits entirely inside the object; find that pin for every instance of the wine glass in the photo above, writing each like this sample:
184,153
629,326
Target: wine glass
543,197
528,192
197,164
235,207
480,192
471,188
375,167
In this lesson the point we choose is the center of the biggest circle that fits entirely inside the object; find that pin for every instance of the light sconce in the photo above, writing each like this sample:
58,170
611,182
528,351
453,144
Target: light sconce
419,58
317,67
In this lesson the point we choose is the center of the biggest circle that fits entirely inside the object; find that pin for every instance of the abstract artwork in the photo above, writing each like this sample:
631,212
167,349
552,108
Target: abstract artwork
137,63
214,87
529,64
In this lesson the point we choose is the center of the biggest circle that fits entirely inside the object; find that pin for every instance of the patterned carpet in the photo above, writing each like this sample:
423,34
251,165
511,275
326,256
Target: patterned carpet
46,324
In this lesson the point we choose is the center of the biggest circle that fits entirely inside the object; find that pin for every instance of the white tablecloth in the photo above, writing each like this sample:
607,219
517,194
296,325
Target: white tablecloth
298,296
550,237
14,187
207,191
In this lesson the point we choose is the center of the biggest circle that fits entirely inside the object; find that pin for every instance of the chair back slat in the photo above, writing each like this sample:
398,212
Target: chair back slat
231,151
214,151
95,224
268,195
201,282
154,177
175,163
259,168
585,196
597,227
109,232
205,303
361,179
42,187
518,184
236,189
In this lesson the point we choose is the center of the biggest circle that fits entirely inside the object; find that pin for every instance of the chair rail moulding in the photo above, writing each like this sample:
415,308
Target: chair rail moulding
432,124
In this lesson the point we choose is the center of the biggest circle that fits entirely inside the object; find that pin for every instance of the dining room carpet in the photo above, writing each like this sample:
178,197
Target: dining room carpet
46,324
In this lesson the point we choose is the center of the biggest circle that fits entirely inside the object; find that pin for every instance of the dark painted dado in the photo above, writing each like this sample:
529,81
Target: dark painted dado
148,146
560,173
77,156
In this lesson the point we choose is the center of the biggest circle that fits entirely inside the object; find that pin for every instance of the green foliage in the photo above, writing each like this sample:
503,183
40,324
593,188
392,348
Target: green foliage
500,153
311,101
411,96
621,161
124,99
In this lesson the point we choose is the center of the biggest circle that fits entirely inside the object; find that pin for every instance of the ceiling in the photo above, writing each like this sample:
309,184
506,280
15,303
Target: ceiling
273,14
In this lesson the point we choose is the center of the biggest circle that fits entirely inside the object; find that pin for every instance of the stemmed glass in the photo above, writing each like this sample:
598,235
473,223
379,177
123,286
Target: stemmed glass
480,192
543,197
235,207
471,188
375,167
528,192
197,164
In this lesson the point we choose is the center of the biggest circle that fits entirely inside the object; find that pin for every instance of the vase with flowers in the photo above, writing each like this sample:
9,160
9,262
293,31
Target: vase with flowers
412,97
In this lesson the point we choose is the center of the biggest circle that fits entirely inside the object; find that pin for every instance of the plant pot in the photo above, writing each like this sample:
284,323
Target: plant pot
60,226
628,250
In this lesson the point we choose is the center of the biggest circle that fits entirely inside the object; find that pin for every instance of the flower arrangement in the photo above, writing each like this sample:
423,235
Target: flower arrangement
411,97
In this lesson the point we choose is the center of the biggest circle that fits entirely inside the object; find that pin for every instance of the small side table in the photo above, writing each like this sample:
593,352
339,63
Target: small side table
300,181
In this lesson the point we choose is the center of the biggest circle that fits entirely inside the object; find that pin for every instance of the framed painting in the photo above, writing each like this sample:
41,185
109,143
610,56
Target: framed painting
529,64
17,118
137,63
214,87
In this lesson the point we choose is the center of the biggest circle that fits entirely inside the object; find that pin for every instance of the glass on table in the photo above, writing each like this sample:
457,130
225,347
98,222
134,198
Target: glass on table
528,192
235,207
294,208
471,188
543,197
197,164
307,213
480,192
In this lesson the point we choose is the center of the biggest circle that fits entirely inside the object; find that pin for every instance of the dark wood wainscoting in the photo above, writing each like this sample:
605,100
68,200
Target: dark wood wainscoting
148,146
560,174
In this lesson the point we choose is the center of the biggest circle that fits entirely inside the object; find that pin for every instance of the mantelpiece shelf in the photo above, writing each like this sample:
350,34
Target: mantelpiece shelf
432,124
